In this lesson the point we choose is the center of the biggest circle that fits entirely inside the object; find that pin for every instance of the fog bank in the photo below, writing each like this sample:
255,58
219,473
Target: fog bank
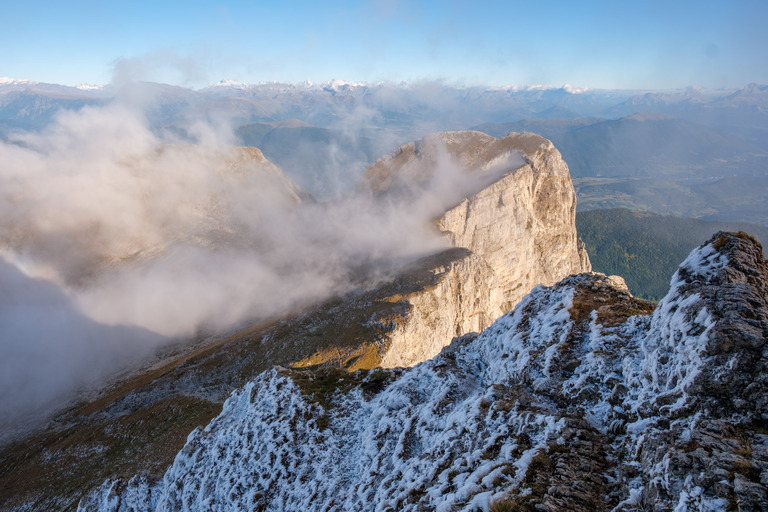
117,239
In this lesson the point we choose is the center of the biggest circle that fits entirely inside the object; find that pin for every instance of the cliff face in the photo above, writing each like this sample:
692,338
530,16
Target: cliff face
519,227
582,398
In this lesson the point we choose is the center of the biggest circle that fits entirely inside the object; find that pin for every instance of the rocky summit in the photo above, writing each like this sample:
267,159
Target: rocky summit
581,398
514,210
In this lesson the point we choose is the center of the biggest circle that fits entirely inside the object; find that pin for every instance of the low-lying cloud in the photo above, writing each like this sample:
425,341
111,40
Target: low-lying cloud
117,239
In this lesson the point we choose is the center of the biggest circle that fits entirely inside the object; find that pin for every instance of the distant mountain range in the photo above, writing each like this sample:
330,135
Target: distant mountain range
690,152
387,105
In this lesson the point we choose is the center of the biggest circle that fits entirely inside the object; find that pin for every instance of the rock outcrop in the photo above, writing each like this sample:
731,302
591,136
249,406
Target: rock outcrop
582,398
517,218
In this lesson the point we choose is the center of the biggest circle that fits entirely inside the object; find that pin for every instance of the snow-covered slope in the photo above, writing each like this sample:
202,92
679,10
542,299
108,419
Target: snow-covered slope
579,399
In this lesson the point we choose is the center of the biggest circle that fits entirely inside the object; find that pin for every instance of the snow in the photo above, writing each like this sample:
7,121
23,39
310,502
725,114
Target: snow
693,498
436,437
90,87
4,80
230,83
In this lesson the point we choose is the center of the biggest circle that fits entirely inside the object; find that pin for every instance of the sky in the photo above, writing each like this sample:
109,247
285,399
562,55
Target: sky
602,44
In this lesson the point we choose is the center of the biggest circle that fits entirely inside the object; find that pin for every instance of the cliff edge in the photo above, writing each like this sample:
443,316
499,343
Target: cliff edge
517,219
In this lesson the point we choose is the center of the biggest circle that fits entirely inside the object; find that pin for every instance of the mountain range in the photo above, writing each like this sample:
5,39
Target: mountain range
498,243
404,393
659,151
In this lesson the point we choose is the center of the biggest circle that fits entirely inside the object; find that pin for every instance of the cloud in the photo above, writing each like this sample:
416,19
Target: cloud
50,351
117,239
162,66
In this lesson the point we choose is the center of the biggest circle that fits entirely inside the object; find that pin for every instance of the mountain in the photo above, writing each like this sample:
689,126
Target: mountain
325,161
646,144
517,220
582,398
29,105
645,248
506,210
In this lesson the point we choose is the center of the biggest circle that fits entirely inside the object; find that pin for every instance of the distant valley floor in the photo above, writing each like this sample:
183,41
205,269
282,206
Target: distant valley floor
731,198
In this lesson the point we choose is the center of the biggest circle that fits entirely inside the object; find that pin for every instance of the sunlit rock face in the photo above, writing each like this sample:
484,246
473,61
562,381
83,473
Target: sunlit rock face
517,217
583,398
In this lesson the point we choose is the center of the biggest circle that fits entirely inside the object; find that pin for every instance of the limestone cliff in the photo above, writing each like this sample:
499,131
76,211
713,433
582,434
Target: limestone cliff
519,227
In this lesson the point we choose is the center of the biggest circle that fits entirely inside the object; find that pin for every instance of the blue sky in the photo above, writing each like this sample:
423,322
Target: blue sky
616,44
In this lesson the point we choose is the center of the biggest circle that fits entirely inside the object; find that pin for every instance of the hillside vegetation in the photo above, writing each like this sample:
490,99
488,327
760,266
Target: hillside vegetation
645,248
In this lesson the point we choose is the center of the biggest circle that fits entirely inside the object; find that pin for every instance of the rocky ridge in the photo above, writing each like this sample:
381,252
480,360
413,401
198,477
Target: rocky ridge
582,398
138,424
518,221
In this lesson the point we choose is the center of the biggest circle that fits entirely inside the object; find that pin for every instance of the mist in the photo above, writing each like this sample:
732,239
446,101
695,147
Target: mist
117,239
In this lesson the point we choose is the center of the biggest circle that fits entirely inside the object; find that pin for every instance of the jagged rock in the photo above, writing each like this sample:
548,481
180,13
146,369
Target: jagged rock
519,226
580,399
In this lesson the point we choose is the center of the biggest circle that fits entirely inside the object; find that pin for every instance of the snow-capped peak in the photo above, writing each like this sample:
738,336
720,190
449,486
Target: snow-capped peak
14,81
230,83
91,87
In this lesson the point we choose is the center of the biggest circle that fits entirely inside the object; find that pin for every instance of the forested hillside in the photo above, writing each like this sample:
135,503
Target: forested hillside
645,248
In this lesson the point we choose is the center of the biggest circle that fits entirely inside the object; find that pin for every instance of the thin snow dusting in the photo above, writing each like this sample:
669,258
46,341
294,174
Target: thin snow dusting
673,349
405,447
460,431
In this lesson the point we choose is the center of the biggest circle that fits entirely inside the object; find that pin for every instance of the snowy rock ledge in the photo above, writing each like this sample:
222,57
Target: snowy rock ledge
579,399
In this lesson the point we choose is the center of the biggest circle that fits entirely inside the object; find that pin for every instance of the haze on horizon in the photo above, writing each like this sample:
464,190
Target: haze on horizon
597,44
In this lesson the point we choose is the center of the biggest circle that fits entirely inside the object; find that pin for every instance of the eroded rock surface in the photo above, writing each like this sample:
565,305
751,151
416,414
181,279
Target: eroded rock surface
517,219
583,398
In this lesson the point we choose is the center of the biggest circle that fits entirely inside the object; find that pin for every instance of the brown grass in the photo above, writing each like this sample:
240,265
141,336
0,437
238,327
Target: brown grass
139,424
612,307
